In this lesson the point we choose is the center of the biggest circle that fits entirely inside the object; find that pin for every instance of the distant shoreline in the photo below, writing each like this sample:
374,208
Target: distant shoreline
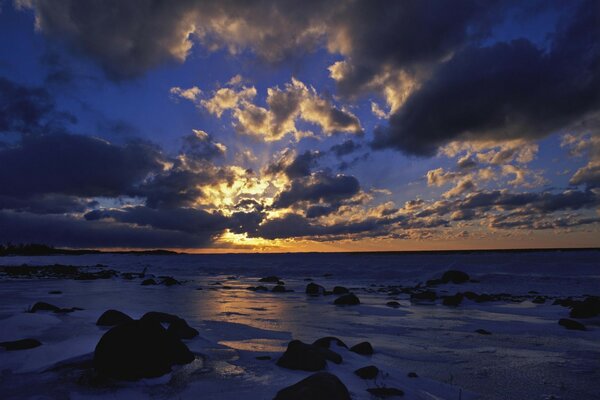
43,250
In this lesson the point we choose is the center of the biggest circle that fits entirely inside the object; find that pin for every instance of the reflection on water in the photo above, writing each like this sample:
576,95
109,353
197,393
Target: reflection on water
258,345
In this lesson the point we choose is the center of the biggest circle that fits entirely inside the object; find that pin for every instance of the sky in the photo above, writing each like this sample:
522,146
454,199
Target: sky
281,126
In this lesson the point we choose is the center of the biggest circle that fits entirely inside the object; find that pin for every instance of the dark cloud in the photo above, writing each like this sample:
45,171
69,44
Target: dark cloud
46,204
503,91
319,187
295,167
75,165
347,147
201,146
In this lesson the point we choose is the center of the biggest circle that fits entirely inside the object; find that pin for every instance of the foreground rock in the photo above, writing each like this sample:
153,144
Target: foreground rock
455,276
23,344
349,299
588,308
571,324
42,306
363,348
307,357
326,342
319,386
384,392
139,349
112,318
180,329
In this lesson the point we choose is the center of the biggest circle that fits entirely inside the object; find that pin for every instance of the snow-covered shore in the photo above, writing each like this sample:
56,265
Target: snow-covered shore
527,354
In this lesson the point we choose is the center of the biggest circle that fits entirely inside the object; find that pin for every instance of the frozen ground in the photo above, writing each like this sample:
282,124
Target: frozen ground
527,356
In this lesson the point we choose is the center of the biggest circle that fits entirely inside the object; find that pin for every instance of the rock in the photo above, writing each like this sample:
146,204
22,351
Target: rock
302,356
349,299
279,289
427,295
138,349
319,386
483,332
148,282
369,372
41,306
384,392
363,348
571,324
55,292
270,279
483,298
340,290
263,358
470,295
393,304
170,281
112,318
23,344
412,375
588,308
455,277
539,300
314,290
326,342
180,329
433,282
453,301
160,317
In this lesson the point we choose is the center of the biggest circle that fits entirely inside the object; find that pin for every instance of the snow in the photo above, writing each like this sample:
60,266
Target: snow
528,355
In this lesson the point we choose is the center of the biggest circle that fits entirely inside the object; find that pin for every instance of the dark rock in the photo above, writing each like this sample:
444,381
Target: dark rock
23,344
263,358
55,292
314,290
349,299
571,324
302,356
455,277
427,295
270,279
112,318
160,317
384,392
139,349
369,372
470,295
483,298
326,342
393,304
539,300
588,308
180,329
433,282
42,306
319,386
279,289
170,281
483,332
453,301
412,375
148,282
340,290
363,348
67,310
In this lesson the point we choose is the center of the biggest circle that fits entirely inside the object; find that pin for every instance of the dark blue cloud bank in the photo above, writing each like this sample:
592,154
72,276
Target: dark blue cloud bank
145,124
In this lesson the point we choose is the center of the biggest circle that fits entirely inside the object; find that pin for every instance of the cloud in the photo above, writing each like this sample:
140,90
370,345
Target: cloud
347,147
501,92
319,187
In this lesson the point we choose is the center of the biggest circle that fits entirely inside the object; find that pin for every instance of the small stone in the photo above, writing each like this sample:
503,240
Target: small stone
23,344
340,290
363,348
349,299
368,372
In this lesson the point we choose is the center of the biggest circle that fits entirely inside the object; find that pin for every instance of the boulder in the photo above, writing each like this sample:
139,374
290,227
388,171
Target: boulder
326,342
319,386
279,289
170,281
270,279
23,344
180,329
453,301
385,392
455,276
138,349
340,290
427,295
42,306
368,372
314,290
571,324
160,317
302,356
148,282
363,348
112,318
393,304
588,308
349,299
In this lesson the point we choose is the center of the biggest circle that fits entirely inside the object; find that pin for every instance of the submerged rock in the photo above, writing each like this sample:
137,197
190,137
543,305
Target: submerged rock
22,344
302,356
112,318
314,290
455,276
363,348
326,342
139,349
385,392
42,306
412,375
368,372
349,299
571,324
319,386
